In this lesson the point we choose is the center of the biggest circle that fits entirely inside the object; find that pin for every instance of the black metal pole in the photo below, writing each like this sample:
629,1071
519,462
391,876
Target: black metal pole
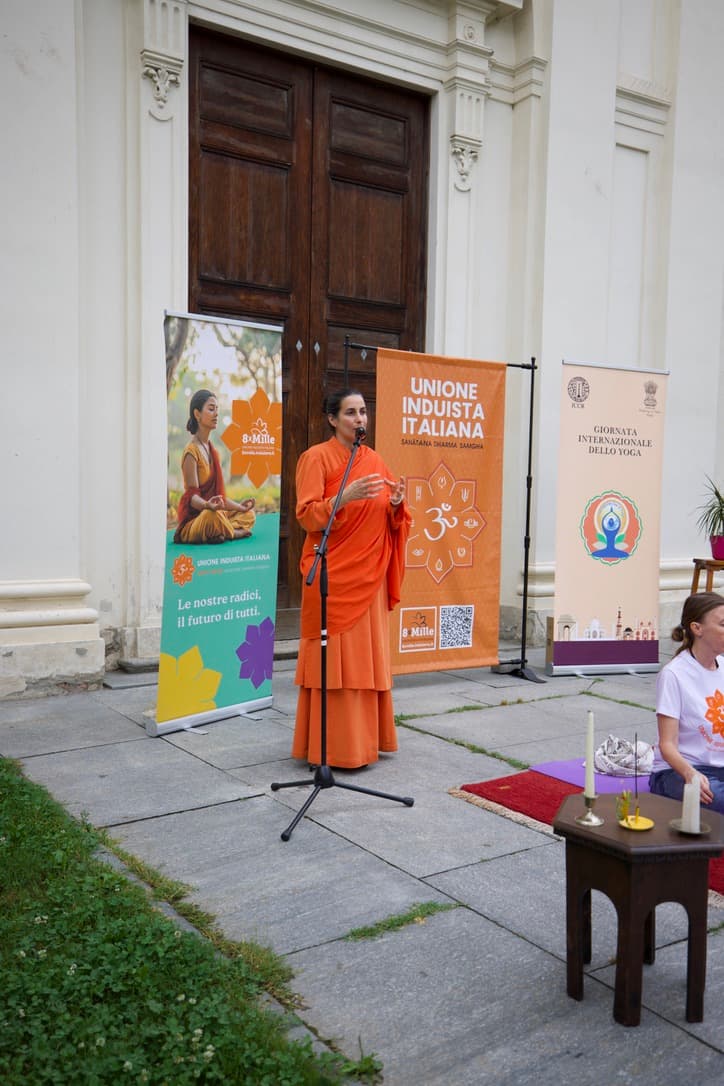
323,776
523,671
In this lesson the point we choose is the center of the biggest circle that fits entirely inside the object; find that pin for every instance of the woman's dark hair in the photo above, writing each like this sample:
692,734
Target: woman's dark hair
333,401
198,400
694,610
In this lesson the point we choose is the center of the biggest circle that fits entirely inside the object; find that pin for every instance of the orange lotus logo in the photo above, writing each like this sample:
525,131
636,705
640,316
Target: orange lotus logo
254,438
182,569
445,521
715,713
611,527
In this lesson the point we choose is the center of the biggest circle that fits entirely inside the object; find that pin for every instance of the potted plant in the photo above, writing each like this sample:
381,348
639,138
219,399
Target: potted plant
711,520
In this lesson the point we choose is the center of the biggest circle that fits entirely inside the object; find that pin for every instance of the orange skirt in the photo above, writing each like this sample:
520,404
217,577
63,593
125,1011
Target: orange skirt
360,716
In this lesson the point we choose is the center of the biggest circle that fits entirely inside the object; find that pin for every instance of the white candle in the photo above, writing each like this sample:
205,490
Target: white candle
590,785
690,811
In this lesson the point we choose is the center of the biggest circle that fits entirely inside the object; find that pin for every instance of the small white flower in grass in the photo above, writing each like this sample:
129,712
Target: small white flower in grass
71,969
21,1012
100,1041
177,935
192,999
128,1066
42,953
40,920
209,1052
22,954
144,1076
180,998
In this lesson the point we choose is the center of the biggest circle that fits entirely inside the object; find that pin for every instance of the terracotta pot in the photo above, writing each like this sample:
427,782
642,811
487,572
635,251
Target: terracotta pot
717,547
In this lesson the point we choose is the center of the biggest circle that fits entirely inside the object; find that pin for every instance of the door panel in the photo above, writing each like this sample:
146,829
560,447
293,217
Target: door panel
250,219
307,208
368,226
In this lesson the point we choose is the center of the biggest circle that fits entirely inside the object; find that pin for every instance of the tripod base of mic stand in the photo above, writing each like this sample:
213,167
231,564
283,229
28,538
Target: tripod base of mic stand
324,778
517,668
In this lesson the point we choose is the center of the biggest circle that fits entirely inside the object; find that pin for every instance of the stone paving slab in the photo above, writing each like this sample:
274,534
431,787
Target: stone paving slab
526,893
125,680
460,1000
637,689
437,833
431,837
560,722
664,990
237,741
70,722
122,782
133,703
287,895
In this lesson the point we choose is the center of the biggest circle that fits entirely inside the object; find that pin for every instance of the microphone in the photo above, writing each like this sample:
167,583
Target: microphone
360,433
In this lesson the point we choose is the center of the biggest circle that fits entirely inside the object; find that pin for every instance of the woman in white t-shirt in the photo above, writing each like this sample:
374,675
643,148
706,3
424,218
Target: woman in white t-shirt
690,705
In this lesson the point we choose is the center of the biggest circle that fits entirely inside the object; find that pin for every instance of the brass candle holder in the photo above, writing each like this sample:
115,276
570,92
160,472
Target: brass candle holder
589,817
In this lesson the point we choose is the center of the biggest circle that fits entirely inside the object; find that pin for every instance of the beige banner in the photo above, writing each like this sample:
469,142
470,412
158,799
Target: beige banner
607,539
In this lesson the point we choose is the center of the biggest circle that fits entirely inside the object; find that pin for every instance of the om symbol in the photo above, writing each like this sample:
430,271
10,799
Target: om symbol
440,520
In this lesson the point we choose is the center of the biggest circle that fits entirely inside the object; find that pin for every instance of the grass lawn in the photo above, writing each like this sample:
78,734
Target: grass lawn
99,986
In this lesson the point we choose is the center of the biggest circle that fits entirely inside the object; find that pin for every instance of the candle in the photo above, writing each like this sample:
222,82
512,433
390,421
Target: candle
690,810
590,787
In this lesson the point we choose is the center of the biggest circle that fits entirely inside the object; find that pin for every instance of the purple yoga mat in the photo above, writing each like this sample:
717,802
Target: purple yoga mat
574,772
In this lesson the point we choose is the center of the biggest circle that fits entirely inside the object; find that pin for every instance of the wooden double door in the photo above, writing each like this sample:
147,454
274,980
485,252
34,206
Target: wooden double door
308,207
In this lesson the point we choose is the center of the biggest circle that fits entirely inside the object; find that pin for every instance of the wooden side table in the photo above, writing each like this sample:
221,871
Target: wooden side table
711,566
637,871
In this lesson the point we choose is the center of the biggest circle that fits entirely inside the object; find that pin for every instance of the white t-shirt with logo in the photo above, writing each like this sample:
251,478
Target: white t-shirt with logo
694,696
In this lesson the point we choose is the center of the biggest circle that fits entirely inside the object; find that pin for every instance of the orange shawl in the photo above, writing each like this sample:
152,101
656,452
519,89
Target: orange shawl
366,543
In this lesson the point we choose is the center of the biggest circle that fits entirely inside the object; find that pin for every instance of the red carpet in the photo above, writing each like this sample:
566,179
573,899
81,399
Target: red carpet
536,796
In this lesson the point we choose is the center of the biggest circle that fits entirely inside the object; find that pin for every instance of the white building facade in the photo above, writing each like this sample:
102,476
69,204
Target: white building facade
575,210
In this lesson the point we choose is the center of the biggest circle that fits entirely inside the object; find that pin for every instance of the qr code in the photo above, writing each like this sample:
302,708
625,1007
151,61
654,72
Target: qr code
456,627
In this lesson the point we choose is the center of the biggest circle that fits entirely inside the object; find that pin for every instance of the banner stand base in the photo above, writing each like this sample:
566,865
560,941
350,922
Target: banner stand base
600,669
190,723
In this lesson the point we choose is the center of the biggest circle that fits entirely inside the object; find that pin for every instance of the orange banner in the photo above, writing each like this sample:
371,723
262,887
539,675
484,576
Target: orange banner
439,423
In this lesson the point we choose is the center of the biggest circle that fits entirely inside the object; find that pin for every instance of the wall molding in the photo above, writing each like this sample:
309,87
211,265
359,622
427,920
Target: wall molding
642,105
674,576
164,50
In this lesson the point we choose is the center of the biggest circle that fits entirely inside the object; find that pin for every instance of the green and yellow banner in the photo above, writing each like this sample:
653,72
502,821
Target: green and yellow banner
439,422
219,604
606,603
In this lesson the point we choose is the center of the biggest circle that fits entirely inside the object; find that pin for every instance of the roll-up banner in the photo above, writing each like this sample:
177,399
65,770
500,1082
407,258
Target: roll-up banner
219,601
439,422
606,603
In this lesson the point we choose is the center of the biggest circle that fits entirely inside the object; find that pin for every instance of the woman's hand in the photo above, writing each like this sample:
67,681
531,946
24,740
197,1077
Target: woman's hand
705,793
215,502
369,486
397,490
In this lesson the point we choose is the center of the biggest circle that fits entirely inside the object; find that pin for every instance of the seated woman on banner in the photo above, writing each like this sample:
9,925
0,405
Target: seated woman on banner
205,514
690,705
365,563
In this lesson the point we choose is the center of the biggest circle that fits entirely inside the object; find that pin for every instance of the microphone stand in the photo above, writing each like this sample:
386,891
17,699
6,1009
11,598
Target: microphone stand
323,776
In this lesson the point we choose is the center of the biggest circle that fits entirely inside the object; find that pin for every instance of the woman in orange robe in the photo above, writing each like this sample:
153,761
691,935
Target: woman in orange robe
365,564
205,514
